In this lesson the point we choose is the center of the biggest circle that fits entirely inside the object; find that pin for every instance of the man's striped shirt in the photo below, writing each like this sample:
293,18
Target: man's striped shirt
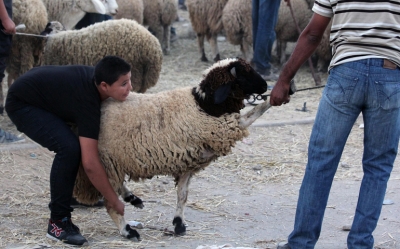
362,29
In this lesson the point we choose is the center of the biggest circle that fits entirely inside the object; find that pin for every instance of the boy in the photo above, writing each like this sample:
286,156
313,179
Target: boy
42,102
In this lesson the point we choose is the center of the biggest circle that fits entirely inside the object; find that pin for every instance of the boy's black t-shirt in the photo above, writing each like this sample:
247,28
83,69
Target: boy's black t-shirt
66,91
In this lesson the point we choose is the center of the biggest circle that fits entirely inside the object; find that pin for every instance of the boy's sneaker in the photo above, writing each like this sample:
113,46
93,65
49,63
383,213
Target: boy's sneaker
7,137
64,230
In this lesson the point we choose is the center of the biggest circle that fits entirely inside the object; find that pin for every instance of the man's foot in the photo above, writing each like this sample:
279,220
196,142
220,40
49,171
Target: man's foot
7,137
64,230
283,245
75,204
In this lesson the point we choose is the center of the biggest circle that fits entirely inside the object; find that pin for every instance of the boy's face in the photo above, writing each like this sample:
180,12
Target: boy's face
120,89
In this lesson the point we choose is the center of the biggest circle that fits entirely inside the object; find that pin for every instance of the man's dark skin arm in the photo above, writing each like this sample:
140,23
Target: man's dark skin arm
306,45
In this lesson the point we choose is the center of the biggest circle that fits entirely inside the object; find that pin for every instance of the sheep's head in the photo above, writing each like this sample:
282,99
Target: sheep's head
226,84
53,27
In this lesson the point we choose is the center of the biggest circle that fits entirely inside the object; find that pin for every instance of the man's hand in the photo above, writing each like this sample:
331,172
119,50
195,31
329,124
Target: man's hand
280,93
9,26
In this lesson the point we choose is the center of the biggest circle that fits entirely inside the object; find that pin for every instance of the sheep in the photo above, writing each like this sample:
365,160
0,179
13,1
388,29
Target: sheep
285,29
158,15
130,9
25,51
323,53
206,19
177,133
124,38
237,22
70,12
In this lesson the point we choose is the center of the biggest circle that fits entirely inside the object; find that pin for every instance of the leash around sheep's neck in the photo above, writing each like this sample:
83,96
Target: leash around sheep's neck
253,97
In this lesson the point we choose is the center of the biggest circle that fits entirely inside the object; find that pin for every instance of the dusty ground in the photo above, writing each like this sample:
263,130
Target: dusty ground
246,199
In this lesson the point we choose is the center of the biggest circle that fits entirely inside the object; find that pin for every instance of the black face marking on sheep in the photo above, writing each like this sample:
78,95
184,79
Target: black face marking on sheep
226,85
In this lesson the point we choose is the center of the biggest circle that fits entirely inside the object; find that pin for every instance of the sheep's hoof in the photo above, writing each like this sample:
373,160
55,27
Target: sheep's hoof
217,58
180,228
134,200
204,58
132,234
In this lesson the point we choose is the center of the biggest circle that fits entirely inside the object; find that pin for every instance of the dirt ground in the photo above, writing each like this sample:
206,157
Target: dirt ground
246,199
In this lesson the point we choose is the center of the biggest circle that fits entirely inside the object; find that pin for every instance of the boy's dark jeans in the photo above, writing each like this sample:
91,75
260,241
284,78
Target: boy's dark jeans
52,132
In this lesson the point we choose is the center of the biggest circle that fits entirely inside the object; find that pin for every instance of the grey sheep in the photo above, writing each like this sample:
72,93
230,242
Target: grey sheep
237,22
159,15
130,9
69,13
206,19
124,38
175,133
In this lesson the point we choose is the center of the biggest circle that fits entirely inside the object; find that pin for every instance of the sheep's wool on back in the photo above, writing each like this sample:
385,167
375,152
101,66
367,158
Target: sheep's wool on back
163,134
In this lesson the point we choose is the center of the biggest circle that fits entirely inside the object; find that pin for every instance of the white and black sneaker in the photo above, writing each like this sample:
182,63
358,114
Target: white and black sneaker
64,230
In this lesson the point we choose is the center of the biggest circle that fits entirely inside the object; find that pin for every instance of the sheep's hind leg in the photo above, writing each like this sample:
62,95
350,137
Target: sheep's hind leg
124,228
130,197
182,193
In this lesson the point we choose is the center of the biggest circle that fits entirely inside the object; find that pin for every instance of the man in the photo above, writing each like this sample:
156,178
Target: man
364,77
43,102
264,18
7,29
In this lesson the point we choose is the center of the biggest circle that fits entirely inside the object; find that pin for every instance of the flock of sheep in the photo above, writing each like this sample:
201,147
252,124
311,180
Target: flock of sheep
186,128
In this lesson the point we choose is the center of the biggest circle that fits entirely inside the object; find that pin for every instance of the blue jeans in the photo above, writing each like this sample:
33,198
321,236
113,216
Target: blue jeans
51,132
352,88
264,17
5,42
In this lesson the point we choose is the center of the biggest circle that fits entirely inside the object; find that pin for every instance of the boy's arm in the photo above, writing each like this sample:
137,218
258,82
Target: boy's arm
97,175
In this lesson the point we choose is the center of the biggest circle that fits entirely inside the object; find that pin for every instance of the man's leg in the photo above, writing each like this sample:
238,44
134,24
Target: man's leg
381,139
338,109
265,16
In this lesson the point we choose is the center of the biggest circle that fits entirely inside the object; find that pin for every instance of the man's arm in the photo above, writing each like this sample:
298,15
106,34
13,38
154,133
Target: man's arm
306,45
97,174
8,24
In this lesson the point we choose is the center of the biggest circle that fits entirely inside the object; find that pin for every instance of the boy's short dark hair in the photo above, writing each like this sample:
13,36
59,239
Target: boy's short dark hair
109,69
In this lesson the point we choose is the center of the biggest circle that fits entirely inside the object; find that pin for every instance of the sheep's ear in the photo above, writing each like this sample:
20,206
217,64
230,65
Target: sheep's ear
233,71
222,93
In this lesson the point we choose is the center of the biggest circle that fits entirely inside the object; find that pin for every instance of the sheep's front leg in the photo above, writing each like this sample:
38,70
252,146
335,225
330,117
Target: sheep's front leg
200,43
182,193
214,47
124,228
130,197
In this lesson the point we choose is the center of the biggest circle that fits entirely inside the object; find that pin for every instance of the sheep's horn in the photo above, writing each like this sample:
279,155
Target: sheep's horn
248,118
233,71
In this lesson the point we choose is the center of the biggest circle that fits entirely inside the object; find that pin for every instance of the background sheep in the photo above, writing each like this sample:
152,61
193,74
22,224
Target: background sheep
176,133
206,19
69,13
286,30
26,51
158,15
124,38
237,22
130,9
